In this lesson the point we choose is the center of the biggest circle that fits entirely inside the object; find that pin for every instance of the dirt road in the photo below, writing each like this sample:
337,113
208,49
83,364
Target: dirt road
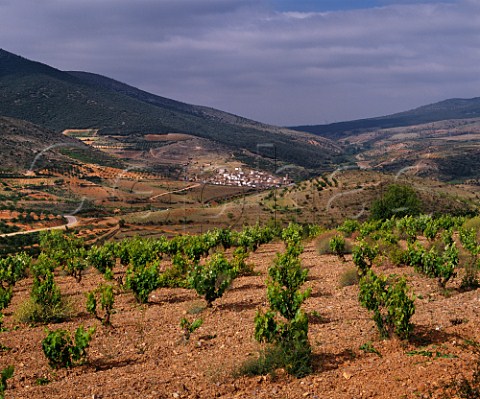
71,222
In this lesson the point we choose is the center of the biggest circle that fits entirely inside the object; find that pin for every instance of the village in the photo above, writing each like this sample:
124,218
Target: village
244,178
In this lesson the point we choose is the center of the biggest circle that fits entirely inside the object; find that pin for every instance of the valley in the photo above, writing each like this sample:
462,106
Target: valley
198,254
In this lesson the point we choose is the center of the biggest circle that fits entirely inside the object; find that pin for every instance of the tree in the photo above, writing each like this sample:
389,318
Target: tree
398,201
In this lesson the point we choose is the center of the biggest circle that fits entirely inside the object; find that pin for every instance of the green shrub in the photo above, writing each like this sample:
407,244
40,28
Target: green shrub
337,246
176,275
212,279
46,303
398,201
45,291
269,360
323,243
142,281
441,266
5,297
369,227
76,264
431,230
393,252
13,268
349,227
59,246
32,312
292,234
409,228
239,266
468,238
106,296
5,375
62,350
285,325
189,327
472,224
363,255
390,302
101,258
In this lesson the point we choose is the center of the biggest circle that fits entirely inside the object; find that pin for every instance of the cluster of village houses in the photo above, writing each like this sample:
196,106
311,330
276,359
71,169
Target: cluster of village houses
249,178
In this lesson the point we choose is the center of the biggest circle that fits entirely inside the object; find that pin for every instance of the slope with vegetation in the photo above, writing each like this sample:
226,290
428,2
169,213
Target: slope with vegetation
61,100
451,109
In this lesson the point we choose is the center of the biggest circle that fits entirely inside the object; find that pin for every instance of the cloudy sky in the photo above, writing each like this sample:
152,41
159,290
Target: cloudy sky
284,62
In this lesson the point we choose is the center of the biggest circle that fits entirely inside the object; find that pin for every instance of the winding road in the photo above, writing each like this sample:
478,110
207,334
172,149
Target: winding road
71,222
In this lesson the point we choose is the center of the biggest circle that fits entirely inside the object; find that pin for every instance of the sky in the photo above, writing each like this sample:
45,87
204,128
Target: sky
284,62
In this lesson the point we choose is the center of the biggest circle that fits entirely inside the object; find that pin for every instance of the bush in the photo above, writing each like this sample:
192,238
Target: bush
105,295
5,297
176,275
349,277
285,325
45,291
31,312
268,362
363,256
212,279
468,238
13,268
337,246
101,258
398,201
349,227
189,327
5,375
46,303
240,267
76,264
62,350
59,246
142,281
390,302
441,266
323,243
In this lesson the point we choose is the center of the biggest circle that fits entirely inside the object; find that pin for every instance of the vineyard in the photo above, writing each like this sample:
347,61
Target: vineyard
262,312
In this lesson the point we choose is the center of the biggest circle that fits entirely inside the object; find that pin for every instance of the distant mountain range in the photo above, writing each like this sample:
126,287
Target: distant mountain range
56,100
59,100
456,108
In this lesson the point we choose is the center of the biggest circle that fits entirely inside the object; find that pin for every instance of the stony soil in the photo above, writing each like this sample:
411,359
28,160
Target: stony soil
144,355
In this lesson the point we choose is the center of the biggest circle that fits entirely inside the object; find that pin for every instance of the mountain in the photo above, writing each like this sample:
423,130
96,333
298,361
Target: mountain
60,100
456,108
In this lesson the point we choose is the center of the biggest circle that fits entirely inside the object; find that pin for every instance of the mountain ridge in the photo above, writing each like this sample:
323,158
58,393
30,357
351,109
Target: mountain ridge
60,100
454,108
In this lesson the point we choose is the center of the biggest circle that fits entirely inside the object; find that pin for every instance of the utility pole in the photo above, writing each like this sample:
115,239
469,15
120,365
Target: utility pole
275,189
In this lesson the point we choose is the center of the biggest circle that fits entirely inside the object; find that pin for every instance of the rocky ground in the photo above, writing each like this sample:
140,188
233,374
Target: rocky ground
144,354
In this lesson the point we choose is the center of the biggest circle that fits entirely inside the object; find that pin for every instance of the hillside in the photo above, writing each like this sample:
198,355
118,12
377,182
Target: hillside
22,141
60,100
26,146
444,110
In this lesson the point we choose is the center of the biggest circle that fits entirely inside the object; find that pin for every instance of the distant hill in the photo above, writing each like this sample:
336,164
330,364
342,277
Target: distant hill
445,110
25,146
22,141
59,100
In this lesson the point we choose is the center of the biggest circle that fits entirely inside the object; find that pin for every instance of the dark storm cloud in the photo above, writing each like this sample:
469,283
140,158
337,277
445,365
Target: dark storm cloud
244,57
